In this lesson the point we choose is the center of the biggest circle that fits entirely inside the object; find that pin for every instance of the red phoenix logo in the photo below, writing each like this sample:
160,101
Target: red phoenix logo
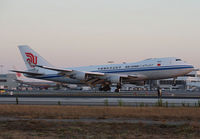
31,59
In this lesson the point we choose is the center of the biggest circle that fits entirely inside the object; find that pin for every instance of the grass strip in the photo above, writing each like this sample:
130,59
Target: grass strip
99,112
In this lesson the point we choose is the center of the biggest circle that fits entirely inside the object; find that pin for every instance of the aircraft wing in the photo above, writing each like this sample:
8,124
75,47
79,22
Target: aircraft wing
93,78
28,73
55,69
69,71
90,78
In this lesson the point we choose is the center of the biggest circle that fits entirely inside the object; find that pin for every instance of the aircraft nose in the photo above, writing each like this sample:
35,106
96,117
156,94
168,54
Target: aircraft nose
191,66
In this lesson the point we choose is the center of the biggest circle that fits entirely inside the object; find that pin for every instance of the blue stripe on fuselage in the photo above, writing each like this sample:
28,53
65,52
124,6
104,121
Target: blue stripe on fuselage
128,70
144,69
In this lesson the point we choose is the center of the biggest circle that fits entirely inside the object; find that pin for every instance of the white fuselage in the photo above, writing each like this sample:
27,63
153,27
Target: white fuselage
150,69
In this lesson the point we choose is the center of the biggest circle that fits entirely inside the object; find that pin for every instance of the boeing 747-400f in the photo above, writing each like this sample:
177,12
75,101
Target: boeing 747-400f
104,75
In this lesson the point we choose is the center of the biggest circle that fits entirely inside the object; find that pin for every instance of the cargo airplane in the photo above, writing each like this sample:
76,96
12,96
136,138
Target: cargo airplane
103,75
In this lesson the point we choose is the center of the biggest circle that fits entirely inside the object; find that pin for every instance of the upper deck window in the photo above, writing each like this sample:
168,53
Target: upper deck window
178,60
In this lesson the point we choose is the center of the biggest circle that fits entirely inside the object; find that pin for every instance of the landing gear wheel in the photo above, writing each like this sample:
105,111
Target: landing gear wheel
174,82
118,88
105,88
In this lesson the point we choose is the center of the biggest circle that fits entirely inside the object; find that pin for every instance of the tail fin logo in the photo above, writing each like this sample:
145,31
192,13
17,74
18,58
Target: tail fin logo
31,59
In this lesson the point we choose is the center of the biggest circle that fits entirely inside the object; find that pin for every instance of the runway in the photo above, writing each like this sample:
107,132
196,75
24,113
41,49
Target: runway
87,101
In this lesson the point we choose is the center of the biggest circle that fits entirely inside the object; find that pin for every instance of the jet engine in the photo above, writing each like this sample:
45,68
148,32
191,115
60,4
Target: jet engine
114,78
79,76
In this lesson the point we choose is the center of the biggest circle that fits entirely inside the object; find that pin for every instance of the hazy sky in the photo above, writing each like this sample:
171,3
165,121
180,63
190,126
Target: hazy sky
88,32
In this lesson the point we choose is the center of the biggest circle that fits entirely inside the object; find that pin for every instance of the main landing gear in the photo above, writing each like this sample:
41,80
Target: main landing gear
118,87
104,87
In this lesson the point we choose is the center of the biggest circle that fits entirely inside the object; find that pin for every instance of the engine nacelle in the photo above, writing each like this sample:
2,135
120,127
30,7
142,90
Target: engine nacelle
79,76
114,78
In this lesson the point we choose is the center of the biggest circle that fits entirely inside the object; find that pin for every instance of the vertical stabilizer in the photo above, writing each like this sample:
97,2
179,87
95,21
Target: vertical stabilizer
32,58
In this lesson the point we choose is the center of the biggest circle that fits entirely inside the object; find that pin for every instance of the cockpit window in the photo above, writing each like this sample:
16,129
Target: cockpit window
178,60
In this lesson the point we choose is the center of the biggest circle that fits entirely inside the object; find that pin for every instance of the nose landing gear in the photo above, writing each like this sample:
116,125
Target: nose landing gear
174,82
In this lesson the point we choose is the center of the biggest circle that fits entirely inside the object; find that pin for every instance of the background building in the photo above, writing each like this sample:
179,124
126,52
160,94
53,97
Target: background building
8,81
189,82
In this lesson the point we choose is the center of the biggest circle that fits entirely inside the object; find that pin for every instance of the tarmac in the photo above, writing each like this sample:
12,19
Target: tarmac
134,98
97,101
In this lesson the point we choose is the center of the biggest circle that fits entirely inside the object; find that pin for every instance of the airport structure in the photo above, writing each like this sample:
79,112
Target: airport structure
8,81
189,82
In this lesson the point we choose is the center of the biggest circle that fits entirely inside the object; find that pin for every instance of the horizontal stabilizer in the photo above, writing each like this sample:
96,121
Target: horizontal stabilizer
28,73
